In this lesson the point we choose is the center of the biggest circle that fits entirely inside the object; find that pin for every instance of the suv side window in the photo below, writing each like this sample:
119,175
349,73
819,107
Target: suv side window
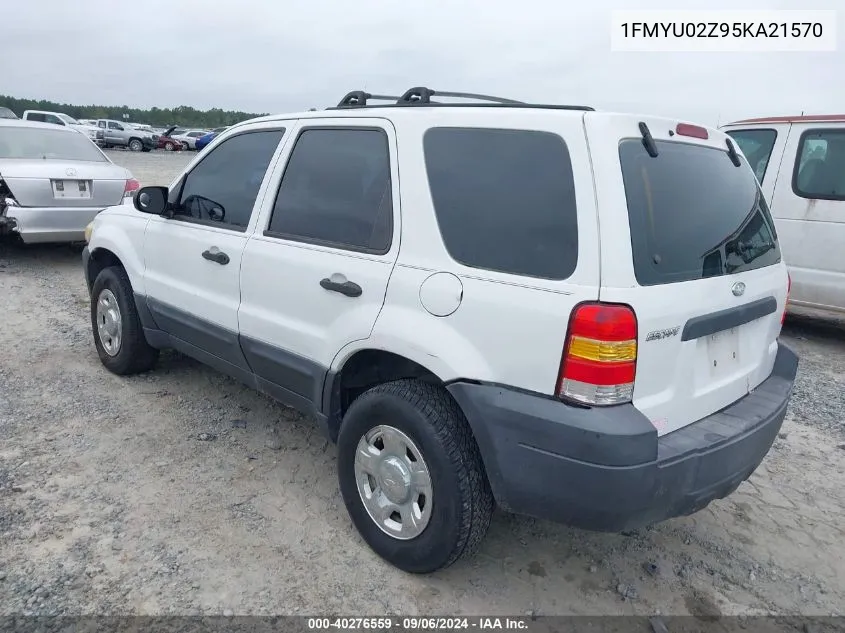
504,199
336,190
221,189
36,116
757,145
820,165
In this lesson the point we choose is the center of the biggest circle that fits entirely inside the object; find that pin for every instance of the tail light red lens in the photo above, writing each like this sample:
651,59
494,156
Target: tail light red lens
599,360
131,187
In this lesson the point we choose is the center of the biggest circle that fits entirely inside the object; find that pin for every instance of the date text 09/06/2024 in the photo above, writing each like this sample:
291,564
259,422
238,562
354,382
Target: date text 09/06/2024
417,623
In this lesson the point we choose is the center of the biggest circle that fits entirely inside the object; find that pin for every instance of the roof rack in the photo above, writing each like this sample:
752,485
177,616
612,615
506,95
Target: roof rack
421,96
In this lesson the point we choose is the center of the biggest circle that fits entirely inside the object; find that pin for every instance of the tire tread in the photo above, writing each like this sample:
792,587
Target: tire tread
455,436
136,355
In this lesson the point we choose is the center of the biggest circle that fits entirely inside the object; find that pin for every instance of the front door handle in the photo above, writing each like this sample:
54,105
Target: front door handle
215,255
348,288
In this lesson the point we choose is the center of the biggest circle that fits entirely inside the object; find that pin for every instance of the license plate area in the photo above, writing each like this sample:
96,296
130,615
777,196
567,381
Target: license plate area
74,189
723,352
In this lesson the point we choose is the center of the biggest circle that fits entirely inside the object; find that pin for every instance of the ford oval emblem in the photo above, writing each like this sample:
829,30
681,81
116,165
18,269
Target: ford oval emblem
738,289
70,172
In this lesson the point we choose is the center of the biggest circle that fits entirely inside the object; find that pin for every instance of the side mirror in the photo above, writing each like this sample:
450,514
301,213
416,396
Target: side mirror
151,200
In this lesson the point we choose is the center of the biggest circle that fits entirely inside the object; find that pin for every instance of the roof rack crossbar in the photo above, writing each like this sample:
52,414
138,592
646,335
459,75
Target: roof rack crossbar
422,94
359,98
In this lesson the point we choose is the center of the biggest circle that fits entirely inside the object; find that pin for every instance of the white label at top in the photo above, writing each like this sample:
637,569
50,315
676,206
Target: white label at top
723,31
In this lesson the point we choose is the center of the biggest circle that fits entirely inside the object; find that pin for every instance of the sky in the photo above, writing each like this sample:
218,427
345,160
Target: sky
287,55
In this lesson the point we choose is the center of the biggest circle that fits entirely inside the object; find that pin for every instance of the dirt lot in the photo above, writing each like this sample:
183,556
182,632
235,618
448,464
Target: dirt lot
181,491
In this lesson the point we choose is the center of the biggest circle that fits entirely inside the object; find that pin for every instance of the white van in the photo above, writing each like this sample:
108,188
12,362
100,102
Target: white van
800,162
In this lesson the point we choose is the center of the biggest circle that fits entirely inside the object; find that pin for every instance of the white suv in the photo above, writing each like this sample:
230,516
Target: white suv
571,313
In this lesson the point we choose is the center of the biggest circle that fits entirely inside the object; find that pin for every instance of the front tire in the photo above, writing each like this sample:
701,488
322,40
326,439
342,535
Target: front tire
118,335
135,145
407,459
169,147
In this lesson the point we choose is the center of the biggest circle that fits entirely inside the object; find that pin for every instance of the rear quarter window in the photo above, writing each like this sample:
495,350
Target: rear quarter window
693,214
820,165
504,199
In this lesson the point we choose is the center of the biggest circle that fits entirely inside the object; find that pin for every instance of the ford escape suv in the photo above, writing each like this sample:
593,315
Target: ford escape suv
568,313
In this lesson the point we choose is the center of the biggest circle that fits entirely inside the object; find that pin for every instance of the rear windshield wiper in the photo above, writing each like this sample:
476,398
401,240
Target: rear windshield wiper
732,153
648,140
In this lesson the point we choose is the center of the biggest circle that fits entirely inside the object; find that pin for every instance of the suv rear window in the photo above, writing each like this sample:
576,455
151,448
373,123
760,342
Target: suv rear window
693,214
504,199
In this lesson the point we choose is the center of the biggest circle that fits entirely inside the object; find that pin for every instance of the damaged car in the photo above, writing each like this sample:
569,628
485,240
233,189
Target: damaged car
54,181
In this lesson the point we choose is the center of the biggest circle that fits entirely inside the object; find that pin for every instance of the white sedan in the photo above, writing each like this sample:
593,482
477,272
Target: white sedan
189,138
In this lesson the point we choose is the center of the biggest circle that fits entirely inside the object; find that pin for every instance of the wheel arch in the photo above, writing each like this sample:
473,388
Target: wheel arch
112,246
360,370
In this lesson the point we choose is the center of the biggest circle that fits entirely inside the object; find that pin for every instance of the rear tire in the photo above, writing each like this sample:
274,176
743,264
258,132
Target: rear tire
135,145
118,335
456,507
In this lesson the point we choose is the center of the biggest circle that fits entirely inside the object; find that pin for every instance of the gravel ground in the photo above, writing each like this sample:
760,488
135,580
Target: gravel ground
182,492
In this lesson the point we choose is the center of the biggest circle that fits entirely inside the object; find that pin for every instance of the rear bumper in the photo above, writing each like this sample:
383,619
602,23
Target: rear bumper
606,469
52,224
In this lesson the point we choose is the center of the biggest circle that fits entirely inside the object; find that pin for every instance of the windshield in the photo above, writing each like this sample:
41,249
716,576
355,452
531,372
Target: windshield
5,113
37,143
693,214
68,119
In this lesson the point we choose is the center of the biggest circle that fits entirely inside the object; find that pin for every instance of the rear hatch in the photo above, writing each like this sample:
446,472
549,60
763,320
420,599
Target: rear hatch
688,242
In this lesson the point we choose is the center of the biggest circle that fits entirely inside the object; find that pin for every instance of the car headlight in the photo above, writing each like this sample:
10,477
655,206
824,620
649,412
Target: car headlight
88,231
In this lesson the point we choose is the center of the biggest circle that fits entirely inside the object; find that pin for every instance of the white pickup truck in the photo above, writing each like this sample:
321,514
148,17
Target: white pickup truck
60,118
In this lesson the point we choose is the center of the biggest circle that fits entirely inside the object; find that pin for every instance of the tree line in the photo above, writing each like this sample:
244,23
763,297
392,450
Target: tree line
181,115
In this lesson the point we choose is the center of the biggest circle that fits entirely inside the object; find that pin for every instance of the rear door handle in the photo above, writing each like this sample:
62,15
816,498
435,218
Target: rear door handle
215,255
348,288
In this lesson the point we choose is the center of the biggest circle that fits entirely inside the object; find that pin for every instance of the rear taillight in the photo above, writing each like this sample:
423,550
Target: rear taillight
786,303
600,355
131,187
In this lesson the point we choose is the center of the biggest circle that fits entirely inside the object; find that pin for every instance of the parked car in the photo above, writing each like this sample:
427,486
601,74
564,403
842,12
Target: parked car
167,142
60,118
202,141
54,181
119,134
6,113
800,162
509,351
188,138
